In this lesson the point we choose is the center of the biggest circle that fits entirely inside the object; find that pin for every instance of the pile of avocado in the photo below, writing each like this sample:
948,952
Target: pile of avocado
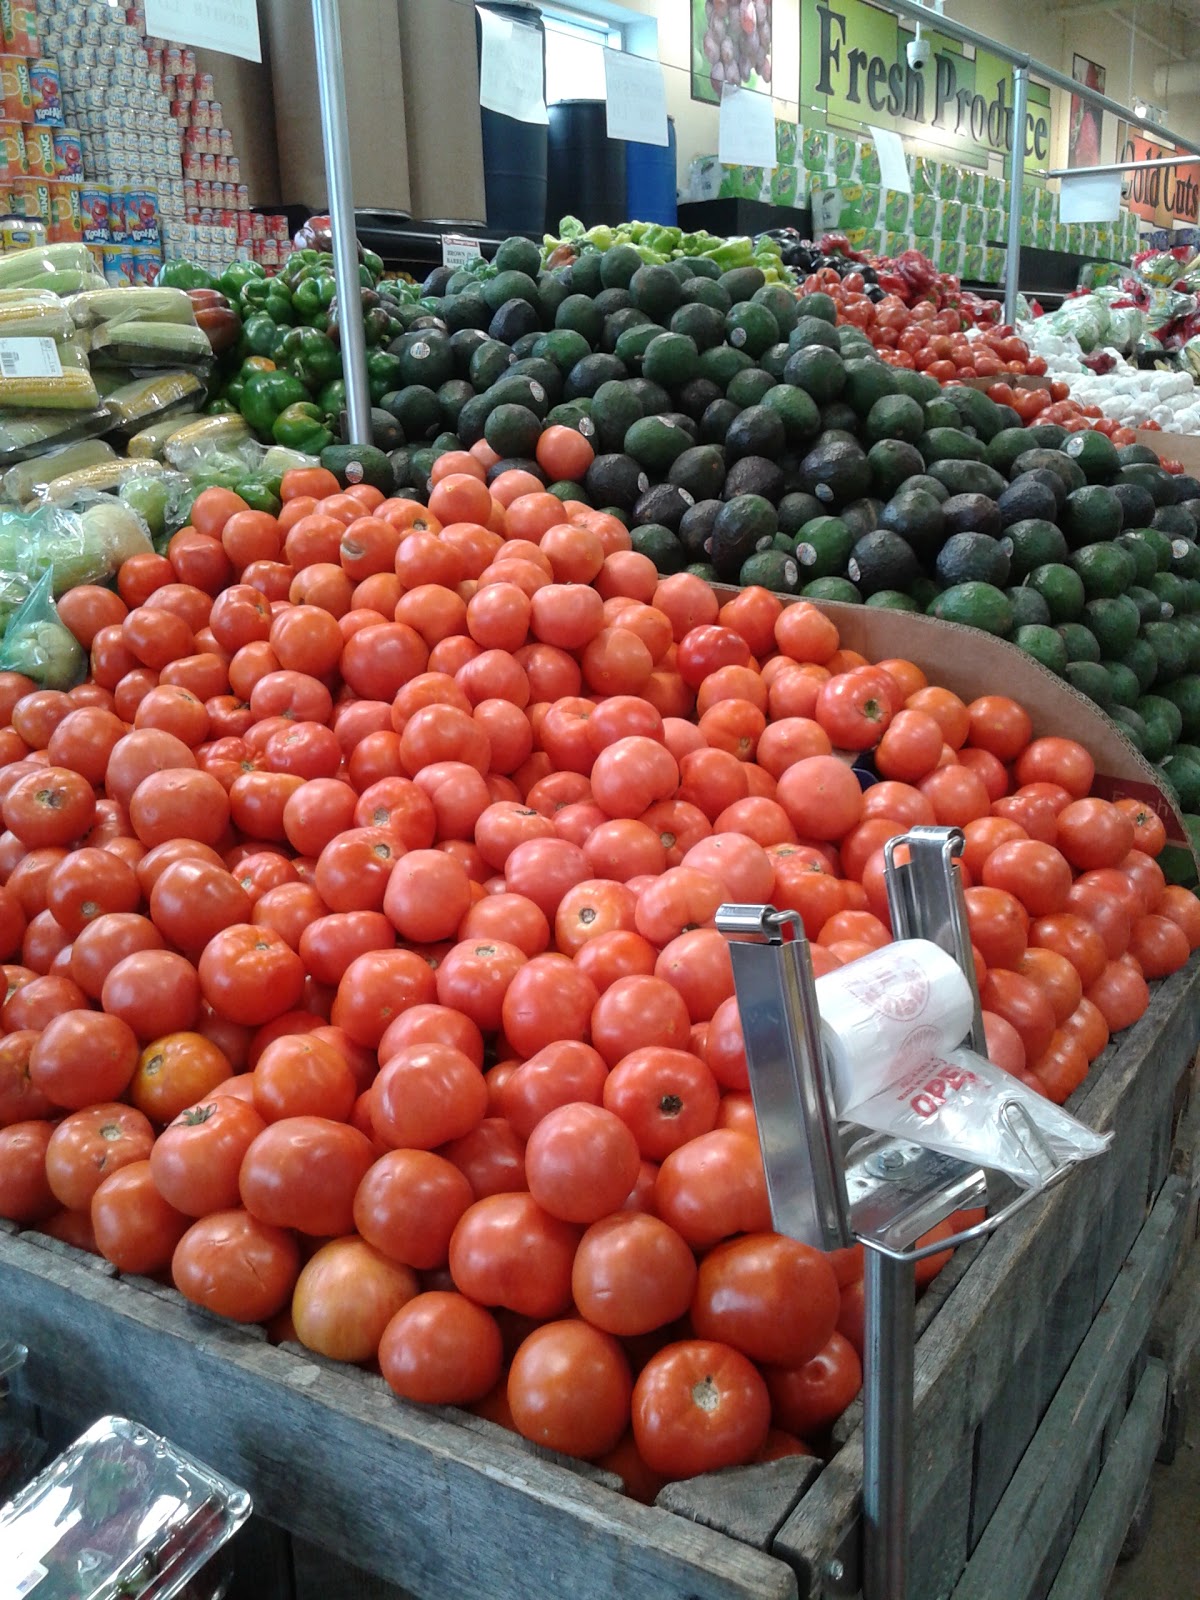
741,434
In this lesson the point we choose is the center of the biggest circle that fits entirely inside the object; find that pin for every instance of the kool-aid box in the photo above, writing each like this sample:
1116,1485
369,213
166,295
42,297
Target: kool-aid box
141,217
45,89
118,265
68,153
144,265
95,214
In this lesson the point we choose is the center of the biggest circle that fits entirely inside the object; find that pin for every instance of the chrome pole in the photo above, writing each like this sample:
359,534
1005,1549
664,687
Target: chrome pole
1119,166
889,1293
331,91
1016,175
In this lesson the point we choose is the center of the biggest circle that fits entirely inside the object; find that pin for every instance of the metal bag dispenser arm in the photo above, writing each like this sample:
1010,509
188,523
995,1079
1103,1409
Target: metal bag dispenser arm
828,1186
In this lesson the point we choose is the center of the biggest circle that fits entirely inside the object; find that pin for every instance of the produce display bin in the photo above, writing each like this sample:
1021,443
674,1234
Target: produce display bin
1037,1409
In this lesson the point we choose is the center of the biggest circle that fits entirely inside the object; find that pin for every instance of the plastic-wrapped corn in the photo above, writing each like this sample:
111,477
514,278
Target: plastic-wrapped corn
62,268
149,444
89,310
31,433
100,478
225,432
29,479
33,314
148,344
134,405
71,389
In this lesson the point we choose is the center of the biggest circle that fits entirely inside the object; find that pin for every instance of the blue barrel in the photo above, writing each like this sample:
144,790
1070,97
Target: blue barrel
650,181
585,168
514,153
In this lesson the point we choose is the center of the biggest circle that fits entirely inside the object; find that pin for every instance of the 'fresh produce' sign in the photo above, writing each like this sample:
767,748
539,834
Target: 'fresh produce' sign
853,67
1161,195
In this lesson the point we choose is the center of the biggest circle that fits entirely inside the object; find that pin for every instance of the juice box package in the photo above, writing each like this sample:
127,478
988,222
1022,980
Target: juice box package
970,186
989,190
925,175
925,212
972,262
787,143
972,224
816,150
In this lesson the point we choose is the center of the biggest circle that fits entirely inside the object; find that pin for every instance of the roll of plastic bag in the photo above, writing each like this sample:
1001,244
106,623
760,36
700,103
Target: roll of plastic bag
965,1106
888,1011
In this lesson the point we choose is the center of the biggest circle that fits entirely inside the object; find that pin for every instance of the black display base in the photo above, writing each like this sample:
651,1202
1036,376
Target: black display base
742,216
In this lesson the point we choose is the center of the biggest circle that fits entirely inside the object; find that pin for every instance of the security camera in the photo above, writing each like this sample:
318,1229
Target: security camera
919,52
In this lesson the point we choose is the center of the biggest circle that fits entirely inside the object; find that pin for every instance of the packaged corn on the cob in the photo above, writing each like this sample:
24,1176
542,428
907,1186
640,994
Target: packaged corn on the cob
189,444
25,435
100,477
134,405
33,314
29,479
150,443
62,268
148,344
89,310
40,374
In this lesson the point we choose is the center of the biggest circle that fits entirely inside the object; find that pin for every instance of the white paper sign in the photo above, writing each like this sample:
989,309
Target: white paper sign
637,98
29,358
457,250
230,26
1090,198
511,75
746,133
893,168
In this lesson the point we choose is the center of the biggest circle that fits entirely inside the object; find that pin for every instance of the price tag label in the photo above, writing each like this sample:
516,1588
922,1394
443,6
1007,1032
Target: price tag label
458,250
230,26
29,1581
29,358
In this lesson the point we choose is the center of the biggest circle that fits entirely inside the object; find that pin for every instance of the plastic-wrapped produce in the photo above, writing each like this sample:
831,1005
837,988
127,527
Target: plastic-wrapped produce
149,344
1086,320
135,405
62,268
28,480
28,381
40,647
97,306
25,434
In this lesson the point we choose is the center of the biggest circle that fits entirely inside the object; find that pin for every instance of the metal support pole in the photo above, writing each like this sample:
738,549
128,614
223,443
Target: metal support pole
1016,174
890,1335
331,90
1119,166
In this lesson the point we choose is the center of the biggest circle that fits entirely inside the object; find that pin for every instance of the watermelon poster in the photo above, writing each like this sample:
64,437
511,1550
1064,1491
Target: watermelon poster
1083,145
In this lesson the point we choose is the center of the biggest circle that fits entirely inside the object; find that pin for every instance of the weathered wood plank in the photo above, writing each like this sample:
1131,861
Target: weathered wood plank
411,1498
748,1503
969,1350
1036,1507
1093,1553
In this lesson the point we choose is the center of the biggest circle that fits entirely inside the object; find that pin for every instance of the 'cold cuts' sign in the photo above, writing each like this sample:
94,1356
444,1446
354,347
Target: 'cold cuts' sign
853,67
1161,195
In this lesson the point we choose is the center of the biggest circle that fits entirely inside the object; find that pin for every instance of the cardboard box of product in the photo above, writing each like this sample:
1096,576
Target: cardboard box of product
970,186
898,210
973,218
950,219
949,256
1043,233
845,157
868,162
710,179
787,143
925,214
789,186
990,190
972,262
895,244
867,239
995,225
994,261
841,208
947,188
1046,204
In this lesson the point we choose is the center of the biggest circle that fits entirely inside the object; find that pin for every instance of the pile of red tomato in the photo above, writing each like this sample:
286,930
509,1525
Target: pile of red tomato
362,977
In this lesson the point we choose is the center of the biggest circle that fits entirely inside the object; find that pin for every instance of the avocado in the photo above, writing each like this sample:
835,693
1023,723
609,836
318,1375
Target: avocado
1137,504
978,413
972,558
895,417
796,509
736,531
823,547
617,267
747,388
1005,448
1029,609
695,528
868,381
971,513
893,463
838,417
661,503
949,444
917,517
882,560
1026,499
774,360
836,472
928,485
758,431
754,475
514,319
1090,679
652,397
1094,453
695,397
418,411
968,477
1091,514
586,376
1043,644
771,569
670,359
979,605
1114,622
820,372
521,389
781,303
353,463
1066,470
862,516
892,600
1106,569
742,283
706,292
452,397
1175,522
660,544
703,324
1034,543
750,327
801,419
615,480
840,589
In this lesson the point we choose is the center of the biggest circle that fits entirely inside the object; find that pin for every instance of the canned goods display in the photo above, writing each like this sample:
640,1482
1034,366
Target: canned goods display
66,215
15,88
141,216
39,150
118,265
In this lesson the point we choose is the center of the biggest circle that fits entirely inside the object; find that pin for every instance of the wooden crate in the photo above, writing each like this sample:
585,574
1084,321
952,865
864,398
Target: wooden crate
1037,1412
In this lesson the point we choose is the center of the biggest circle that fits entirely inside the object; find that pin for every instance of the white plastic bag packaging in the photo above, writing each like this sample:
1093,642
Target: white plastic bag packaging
965,1106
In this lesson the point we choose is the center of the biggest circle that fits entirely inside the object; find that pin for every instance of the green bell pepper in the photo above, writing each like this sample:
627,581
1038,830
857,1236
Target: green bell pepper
373,264
236,275
301,427
310,356
268,295
260,334
185,275
265,395
383,373
332,398
260,496
312,296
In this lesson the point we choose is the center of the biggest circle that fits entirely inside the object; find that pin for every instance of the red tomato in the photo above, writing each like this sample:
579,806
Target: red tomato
699,1406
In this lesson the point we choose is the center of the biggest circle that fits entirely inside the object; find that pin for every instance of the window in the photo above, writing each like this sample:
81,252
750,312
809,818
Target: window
575,46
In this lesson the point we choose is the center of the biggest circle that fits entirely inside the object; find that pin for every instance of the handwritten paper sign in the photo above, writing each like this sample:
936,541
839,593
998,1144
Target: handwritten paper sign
511,73
746,132
637,98
893,168
230,26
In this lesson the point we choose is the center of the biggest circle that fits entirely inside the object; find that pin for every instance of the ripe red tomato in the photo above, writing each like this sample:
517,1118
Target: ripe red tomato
233,1264
808,1398
345,1297
195,1161
302,1173
632,1273
569,1388
699,1406
441,1349
89,1145
136,1229
507,1251
771,1298
580,1162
